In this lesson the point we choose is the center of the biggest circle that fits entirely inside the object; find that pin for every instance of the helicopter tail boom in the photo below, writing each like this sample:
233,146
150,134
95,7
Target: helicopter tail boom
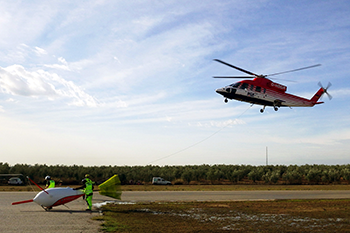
317,96
319,93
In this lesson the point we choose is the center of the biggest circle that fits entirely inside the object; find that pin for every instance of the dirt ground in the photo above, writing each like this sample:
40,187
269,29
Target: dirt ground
196,187
257,216
204,216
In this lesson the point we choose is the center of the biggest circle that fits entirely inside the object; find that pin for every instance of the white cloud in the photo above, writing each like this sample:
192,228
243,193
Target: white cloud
218,124
40,51
16,80
62,66
340,93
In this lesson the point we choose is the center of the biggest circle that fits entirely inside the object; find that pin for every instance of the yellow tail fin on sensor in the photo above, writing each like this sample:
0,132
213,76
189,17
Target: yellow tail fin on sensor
111,188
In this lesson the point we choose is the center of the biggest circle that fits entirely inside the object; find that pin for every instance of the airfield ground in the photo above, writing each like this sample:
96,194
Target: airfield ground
297,215
198,187
234,216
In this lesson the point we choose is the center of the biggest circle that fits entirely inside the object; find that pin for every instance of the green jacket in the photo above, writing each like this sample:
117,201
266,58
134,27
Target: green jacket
88,186
51,184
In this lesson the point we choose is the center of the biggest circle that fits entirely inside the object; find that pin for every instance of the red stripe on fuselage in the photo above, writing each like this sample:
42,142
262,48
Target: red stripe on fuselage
289,99
67,199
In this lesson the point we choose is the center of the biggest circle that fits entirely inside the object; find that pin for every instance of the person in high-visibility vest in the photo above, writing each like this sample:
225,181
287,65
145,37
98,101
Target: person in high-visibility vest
88,190
49,182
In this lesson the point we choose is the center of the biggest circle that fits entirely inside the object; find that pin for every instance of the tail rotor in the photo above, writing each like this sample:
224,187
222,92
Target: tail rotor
325,89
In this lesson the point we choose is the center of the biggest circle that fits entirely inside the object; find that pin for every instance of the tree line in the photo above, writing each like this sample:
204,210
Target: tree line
189,174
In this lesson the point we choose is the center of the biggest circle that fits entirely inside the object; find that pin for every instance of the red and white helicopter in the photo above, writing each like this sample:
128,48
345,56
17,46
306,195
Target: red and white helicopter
263,91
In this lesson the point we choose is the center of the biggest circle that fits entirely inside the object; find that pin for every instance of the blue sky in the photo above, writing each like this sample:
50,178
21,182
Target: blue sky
130,82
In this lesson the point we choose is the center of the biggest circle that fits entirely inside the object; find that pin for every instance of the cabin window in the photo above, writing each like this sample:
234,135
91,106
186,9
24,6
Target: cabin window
244,86
251,87
258,89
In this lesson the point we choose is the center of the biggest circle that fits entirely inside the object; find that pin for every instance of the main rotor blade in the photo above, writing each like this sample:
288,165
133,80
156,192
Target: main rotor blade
282,79
308,67
240,77
235,67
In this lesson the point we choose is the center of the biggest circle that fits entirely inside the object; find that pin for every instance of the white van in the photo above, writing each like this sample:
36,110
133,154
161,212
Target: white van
15,181
160,180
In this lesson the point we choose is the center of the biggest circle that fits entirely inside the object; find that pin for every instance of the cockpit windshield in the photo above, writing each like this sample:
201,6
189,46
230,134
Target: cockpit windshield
235,84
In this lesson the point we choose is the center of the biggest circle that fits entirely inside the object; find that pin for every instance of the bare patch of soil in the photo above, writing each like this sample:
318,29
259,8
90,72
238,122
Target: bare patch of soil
257,216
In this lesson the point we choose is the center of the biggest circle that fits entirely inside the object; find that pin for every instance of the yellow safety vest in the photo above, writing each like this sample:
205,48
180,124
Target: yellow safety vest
88,186
52,184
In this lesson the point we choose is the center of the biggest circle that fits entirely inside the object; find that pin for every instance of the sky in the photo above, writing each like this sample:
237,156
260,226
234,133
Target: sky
130,82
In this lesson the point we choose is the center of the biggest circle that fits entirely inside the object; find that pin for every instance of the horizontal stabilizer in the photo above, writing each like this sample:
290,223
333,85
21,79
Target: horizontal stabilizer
111,188
22,202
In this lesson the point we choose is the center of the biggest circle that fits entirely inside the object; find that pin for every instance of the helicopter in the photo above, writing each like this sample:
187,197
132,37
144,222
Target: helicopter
263,91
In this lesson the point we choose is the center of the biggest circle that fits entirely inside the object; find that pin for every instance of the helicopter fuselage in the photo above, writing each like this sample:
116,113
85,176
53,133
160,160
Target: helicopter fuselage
263,91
